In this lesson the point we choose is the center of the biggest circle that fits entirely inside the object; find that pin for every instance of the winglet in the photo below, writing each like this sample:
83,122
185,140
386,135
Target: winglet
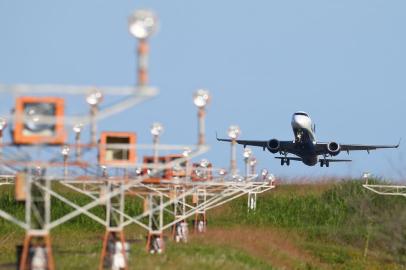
400,140
221,140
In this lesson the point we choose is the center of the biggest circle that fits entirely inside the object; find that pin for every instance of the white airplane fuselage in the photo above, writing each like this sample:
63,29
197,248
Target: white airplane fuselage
305,139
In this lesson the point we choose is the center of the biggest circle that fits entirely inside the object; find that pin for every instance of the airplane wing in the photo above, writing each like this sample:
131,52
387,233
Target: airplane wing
321,148
285,146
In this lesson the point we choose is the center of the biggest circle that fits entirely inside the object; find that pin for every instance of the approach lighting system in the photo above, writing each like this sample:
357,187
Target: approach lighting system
117,148
142,24
234,132
39,120
201,98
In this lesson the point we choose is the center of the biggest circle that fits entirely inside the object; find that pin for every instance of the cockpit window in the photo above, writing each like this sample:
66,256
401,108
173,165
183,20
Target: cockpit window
301,113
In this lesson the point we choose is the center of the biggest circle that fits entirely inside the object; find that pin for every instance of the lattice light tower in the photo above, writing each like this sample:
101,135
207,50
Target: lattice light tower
106,169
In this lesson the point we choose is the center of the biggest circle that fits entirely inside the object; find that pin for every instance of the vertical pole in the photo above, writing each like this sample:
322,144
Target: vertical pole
201,126
155,145
28,201
143,49
233,165
47,202
1,142
247,167
77,145
65,166
93,130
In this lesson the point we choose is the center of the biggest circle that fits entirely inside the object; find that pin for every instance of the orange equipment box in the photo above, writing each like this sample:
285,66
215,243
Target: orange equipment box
39,120
117,148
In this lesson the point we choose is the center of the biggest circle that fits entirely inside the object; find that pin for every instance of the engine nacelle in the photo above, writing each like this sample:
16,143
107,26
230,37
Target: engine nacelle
273,146
333,148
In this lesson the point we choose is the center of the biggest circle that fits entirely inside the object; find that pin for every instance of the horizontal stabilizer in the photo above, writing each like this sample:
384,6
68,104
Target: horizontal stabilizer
289,158
337,160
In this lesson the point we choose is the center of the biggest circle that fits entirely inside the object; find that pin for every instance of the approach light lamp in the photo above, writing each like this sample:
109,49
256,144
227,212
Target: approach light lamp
201,98
94,98
142,24
117,148
157,129
264,173
77,128
3,123
233,132
253,161
247,153
366,175
186,152
65,150
222,172
271,178
39,120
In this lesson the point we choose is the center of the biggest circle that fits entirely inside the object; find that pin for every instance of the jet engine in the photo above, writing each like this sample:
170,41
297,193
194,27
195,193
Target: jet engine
333,148
273,146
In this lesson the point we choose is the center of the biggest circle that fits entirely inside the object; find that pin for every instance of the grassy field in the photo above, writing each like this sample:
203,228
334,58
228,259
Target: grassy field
329,225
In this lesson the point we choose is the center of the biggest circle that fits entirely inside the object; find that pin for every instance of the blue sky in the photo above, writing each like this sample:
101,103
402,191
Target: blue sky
344,62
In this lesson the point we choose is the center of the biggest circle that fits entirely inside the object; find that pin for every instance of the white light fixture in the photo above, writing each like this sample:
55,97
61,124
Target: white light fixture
201,98
156,129
65,150
142,24
233,132
253,161
222,172
366,175
247,153
271,177
204,163
186,152
94,98
264,173
3,123
77,128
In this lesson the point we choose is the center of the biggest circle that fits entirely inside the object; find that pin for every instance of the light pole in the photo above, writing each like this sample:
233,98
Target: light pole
201,99
156,131
247,157
94,98
252,165
65,153
77,129
3,125
233,133
142,24
186,154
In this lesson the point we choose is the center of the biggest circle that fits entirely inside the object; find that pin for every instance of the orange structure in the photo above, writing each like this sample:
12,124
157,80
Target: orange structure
169,173
122,154
39,120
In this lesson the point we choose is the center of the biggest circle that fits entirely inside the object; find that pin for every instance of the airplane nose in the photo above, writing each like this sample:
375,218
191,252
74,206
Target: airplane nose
300,121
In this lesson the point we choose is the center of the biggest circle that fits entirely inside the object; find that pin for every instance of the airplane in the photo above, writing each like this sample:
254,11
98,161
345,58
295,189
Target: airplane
305,147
